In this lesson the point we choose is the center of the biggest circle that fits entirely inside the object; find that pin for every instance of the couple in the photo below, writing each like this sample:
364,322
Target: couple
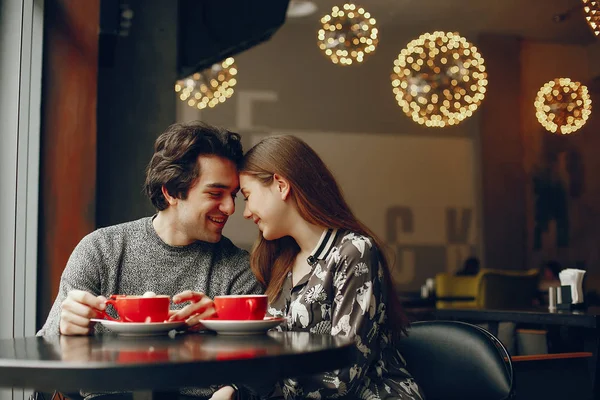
319,266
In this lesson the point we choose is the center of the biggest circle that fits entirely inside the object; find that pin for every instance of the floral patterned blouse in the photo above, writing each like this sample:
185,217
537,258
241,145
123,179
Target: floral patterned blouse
344,294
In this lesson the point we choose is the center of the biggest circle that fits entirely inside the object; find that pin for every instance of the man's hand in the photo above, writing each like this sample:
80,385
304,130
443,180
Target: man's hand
225,393
201,307
77,310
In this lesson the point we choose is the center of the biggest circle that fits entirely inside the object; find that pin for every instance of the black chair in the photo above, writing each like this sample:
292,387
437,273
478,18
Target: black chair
455,360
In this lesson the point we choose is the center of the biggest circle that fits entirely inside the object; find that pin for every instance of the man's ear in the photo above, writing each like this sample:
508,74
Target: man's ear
283,186
170,199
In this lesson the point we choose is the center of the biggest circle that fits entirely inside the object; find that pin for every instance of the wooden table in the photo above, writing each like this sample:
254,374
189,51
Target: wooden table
414,300
160,363
585,319
588,321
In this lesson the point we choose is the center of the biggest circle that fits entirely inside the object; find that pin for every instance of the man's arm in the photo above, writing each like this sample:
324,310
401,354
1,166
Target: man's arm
78,290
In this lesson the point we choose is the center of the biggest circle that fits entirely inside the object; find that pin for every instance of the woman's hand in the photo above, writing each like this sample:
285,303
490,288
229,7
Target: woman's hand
201,307
225,393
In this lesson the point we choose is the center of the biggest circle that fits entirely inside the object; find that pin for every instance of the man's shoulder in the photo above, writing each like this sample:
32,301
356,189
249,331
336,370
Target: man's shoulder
230,251
129,226
227,246
117,232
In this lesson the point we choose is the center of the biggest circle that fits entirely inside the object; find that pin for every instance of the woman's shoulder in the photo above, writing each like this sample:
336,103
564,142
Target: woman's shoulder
354,244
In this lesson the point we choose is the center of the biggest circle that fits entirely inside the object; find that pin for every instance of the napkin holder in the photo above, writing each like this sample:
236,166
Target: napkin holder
565,300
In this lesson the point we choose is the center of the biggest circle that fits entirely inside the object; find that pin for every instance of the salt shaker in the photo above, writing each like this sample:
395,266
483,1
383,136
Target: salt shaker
552,298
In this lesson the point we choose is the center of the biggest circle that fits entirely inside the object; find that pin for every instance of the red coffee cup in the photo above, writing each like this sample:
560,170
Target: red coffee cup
237,354
139,308
241,307
143,356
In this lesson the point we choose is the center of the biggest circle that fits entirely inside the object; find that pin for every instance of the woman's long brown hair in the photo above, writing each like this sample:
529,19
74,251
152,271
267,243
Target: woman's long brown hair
319,201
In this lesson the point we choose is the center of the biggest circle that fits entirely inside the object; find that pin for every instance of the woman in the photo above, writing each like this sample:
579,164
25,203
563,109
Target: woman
323,270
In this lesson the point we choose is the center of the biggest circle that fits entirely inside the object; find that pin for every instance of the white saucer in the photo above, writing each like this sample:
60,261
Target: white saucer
140,328
224,327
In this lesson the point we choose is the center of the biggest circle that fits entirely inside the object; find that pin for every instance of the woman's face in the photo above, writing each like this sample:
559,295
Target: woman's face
265,205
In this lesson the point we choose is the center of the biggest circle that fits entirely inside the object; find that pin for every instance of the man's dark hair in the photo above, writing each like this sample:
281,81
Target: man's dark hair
174,163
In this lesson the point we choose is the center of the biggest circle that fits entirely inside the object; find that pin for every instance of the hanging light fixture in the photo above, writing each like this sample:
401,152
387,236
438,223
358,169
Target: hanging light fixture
300,8
439,79
563,106
210,86
348,34
592,14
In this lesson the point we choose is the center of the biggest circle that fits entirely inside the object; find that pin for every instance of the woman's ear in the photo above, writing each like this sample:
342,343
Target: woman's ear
170,199
283,186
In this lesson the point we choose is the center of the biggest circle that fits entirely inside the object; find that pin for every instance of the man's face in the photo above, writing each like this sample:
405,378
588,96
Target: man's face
210,201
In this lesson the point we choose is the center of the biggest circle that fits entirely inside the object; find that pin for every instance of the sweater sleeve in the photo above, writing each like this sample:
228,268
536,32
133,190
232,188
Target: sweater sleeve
80,273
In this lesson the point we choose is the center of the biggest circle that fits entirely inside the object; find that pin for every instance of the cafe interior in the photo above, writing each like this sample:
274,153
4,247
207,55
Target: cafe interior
461,132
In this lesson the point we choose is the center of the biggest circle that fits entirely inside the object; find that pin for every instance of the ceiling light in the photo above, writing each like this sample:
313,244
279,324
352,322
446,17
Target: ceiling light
300,8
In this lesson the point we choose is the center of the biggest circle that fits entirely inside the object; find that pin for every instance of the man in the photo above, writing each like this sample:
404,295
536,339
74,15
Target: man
192,181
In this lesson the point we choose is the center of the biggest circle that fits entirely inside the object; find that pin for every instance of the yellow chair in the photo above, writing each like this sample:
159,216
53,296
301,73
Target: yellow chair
490,288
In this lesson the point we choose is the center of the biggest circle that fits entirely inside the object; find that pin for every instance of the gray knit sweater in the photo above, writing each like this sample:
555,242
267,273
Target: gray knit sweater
131,258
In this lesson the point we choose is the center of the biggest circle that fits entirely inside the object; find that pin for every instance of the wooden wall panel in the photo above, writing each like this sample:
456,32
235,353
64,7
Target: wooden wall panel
68,154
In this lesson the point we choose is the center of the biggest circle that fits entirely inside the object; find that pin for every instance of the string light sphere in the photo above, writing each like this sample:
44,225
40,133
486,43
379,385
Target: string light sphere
348,34
563,106
592,14
210,86
439,79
